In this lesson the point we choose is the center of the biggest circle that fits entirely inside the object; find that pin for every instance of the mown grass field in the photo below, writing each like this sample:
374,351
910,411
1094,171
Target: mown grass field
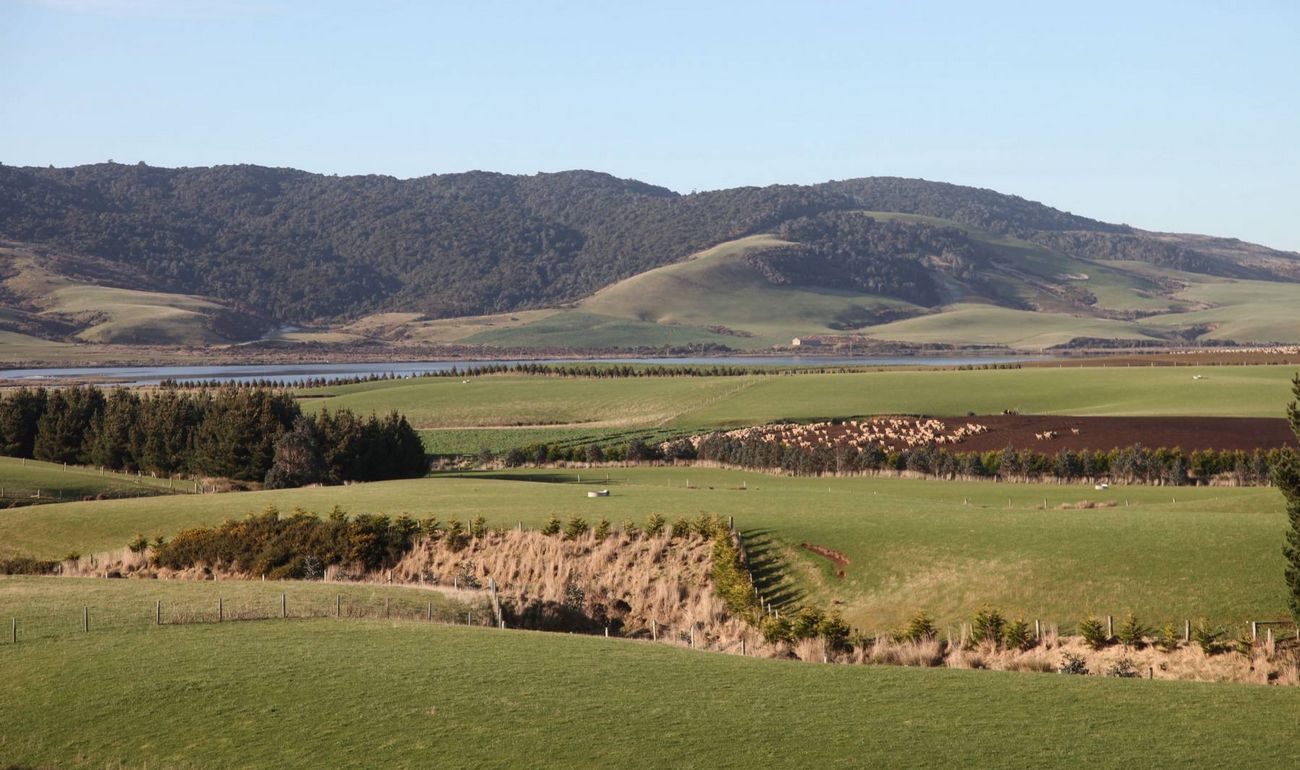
943,546
325,693
21,479
705,402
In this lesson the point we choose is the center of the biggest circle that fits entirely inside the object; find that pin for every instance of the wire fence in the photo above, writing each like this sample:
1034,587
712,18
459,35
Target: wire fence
37,623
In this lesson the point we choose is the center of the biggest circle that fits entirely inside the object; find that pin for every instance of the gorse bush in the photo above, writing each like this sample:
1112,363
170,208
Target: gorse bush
731,580
279,547
1094,633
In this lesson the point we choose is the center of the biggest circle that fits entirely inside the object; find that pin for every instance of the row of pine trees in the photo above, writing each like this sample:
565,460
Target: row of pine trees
245,434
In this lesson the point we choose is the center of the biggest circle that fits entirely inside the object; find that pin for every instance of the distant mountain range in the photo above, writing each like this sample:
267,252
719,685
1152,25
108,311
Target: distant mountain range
114,253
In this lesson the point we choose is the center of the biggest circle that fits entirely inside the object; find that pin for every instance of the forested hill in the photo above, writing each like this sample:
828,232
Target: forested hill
299,246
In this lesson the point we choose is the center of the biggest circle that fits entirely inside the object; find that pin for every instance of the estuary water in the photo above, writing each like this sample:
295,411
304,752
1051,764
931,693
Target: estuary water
152,375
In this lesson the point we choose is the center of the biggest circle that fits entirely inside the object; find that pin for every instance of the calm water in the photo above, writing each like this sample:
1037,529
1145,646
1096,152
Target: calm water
152,375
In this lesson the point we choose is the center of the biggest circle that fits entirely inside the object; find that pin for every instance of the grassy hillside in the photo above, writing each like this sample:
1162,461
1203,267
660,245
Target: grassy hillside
1026,297
704,402
949,547
325,693
52,607
85,300
22,479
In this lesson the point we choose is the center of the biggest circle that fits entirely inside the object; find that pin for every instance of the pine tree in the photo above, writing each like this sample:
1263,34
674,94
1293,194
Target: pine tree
20,412
63,428
111,442
1286,475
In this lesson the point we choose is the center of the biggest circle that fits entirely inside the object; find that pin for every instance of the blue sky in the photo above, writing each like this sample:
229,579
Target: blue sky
1177,116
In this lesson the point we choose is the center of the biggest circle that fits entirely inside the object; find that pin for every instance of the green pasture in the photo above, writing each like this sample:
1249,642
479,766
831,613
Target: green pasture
705,402
325,693
944,546
49,607
24,479
469,441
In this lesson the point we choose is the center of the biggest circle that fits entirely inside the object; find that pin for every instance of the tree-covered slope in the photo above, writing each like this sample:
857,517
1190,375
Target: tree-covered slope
299,246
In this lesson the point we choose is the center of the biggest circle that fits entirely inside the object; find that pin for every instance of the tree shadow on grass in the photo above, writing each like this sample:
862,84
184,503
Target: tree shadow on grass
769,570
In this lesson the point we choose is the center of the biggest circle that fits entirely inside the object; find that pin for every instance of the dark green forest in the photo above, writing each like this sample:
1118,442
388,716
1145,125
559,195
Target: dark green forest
299,247
245,434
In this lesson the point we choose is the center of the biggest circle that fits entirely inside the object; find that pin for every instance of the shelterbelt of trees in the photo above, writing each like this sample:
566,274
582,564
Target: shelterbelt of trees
1134,464
244,434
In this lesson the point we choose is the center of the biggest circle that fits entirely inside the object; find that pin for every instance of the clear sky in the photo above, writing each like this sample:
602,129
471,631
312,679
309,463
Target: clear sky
1177,116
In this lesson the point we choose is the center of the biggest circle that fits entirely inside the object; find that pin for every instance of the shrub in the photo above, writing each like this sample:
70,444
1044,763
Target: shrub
708,525
681,528
456,538
988,626
805,623
25,565
775,629
1093,632
630,528
576,527
654,525
918,629
1017,635
1207,637
478,526
602,529
514,458
485,456
1124,669
834,631
139,544
552,526
1131,633
1167,640
1073,664
430,528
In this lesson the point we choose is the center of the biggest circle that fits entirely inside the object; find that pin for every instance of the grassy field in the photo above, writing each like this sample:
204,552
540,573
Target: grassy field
50,607
948,547
22,479
323,693
705,402
469,441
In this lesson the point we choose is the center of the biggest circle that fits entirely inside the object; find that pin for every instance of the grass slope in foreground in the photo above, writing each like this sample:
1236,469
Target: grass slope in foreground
946,546
324,693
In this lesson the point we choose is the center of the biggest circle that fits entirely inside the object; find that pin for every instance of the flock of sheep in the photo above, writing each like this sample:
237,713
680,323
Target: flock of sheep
885,432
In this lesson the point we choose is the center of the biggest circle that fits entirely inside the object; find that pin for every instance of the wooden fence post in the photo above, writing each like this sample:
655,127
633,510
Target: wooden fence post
284,606
1254,631
221,609
385,606
1187,632
606,632
428,612
1038,629
742,645
654,631
85,619
1110,626
157,613
338,606
13,630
